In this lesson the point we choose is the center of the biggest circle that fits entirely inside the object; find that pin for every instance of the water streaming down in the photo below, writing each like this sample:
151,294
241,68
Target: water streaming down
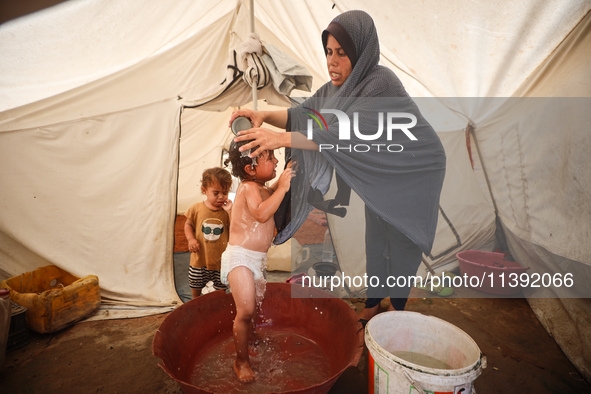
283,361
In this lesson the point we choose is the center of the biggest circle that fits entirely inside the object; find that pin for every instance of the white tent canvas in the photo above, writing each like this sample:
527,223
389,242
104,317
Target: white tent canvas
99,152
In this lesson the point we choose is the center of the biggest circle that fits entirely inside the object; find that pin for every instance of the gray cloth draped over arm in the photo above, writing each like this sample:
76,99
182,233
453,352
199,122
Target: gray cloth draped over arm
397,177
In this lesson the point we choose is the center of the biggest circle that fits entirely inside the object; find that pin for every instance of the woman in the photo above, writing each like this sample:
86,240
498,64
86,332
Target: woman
397,170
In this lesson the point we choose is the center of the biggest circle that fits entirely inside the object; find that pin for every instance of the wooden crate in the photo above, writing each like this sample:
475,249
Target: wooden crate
53,297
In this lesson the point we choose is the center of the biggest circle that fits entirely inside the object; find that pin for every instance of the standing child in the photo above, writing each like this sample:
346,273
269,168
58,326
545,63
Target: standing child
251,231
207,228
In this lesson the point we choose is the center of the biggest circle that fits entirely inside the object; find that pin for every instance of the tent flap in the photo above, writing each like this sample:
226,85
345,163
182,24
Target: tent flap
97,198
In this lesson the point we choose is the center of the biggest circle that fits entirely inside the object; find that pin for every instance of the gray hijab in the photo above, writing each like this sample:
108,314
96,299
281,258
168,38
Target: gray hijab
403,185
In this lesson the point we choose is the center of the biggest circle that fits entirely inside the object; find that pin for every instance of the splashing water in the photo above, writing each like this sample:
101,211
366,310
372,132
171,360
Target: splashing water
260,286
282,361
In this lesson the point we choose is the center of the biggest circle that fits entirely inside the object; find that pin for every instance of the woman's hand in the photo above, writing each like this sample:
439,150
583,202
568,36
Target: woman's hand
265,139
256,117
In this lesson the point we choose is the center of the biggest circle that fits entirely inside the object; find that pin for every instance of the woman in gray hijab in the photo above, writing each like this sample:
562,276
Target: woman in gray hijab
397,170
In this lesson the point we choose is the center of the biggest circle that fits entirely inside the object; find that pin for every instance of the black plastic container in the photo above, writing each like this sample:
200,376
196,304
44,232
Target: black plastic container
18,334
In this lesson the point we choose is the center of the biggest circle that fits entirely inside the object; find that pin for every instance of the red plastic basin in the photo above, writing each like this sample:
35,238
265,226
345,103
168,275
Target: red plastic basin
323,318
496,274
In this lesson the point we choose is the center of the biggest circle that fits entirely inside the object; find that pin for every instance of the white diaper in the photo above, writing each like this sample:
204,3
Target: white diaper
237,256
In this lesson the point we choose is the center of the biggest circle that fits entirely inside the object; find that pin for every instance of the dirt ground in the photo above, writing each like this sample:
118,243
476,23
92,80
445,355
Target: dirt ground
114,356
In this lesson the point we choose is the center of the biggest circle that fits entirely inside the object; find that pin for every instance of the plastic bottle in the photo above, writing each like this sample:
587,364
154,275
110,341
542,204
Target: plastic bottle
327,248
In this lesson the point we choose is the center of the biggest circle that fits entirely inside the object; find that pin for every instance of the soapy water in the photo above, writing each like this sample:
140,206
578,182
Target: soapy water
281,360
254,227
422,359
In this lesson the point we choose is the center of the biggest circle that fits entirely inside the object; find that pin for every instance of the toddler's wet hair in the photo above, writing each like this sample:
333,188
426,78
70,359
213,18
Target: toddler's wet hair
238,161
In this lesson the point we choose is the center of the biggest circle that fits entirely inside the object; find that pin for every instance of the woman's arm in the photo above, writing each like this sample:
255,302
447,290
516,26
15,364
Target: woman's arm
274,118
267,139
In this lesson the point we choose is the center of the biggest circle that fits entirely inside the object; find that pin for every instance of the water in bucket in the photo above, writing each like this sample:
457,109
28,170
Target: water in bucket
422,359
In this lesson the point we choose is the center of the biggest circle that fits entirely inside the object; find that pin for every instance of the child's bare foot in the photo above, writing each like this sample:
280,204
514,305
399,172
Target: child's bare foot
244,372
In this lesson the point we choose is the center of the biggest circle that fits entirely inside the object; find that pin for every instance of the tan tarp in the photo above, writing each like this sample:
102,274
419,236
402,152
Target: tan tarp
563,184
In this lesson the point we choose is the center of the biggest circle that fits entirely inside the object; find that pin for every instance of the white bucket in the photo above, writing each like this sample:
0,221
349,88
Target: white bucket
430,338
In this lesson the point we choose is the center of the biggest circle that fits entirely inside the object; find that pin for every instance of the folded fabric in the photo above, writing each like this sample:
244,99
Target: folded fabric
287,74
255,70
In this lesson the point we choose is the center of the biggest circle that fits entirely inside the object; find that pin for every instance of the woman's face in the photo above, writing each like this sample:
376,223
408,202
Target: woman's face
337,61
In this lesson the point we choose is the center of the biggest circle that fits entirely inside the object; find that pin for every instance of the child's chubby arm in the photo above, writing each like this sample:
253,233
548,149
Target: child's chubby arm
263,210
276,183
194,246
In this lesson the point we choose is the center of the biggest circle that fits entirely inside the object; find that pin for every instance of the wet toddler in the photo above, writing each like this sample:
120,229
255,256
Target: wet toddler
252,230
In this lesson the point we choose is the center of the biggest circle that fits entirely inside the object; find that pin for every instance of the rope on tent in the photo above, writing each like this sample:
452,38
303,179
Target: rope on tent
237,75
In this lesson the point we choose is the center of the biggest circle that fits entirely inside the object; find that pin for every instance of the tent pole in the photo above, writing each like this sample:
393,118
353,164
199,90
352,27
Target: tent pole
254,86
